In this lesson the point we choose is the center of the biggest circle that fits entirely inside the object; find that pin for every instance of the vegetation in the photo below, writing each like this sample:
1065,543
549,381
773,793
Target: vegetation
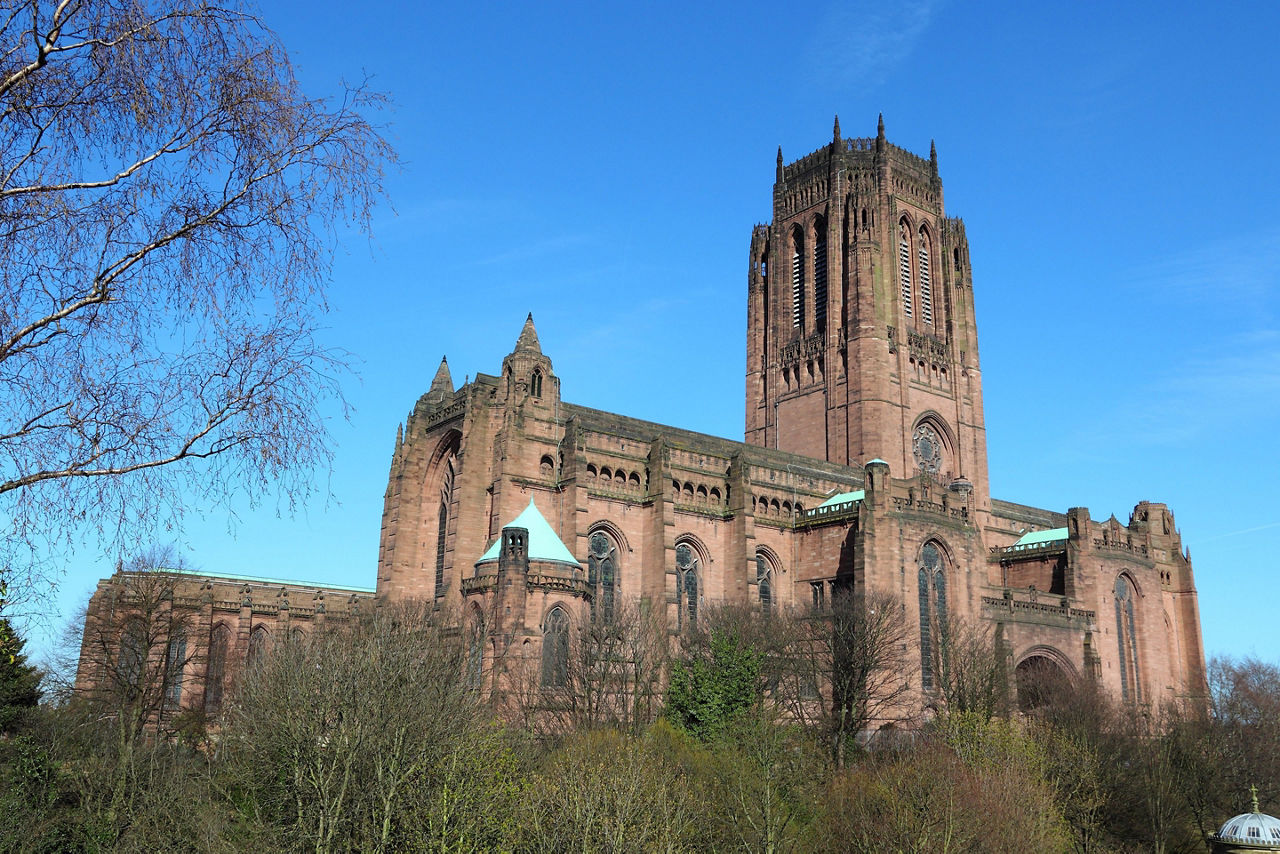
372,736
169,200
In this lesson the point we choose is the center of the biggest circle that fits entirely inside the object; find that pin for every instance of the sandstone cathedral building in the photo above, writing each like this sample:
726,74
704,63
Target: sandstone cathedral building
864,469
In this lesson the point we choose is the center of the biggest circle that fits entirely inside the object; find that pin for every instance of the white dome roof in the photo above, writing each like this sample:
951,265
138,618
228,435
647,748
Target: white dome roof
1251,828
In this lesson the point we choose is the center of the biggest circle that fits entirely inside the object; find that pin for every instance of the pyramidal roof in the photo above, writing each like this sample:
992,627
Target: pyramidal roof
443,381
543,542
528,339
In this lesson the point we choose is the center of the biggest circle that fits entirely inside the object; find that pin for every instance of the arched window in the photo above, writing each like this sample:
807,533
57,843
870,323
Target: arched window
175,662
932,582
686,586
535,384
1126,633
132,659
927,447
926,289
555,649
764,581
797,279
904,266
820,274
475,651
258,640
442,524
602,574
215,673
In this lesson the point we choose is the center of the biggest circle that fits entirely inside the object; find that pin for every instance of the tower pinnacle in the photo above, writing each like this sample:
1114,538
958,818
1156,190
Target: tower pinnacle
528,339
443,381
835,132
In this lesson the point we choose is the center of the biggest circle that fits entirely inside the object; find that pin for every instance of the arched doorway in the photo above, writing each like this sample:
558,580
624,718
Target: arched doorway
1042,681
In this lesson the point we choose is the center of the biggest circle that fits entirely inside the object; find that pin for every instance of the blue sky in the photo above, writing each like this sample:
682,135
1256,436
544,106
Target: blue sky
602,167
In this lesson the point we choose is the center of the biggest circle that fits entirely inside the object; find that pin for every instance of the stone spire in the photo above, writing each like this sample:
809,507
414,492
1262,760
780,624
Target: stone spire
444,380
880,133
933,158
528,340
779,164
835,132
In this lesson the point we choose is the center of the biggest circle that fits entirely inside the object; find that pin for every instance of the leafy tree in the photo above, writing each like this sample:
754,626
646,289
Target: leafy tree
168,201
19,681
714,685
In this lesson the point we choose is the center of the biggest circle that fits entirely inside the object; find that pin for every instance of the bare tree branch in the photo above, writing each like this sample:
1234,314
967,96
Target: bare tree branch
169,199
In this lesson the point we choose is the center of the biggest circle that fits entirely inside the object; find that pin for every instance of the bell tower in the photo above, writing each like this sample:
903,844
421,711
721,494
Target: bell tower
861,337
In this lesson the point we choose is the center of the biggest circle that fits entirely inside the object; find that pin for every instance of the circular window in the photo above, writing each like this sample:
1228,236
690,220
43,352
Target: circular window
927,447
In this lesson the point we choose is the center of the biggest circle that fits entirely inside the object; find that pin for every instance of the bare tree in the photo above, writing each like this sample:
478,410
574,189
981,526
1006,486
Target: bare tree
970,668
843,669
343,735
135,652
168,201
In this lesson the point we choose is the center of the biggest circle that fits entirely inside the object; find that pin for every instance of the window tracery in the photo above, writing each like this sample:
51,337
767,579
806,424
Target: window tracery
926,447
1126,634
442,525
764,581
932,589
686,586
555,649
602,574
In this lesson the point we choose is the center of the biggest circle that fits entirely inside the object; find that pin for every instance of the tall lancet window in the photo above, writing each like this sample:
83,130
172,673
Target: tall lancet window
442,525
933,611
764,581
926,289
820,275
797,280
555,649
904,267
1130,683
602,573
686,586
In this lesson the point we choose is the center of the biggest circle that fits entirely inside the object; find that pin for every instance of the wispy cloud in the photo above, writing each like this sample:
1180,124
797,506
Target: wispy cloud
1240,533
864,41
1243,267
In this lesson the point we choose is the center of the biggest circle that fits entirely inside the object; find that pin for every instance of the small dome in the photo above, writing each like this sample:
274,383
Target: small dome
1253,829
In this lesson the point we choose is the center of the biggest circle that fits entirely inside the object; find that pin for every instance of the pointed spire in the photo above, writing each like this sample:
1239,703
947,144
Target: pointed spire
933,158
835,132
880,133
528,339
779,178
443,381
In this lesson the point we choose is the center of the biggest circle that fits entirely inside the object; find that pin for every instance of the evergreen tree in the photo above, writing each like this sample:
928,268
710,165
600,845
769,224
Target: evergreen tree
19,681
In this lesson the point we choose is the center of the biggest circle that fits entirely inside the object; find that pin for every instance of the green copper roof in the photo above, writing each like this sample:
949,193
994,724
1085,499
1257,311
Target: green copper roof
543,542
262,579
844,498
1047,536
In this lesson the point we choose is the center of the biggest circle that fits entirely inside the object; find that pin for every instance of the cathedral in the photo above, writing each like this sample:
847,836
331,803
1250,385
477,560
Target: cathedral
863,468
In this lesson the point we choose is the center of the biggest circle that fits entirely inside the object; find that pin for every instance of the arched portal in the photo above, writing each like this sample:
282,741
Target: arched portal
1042,681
